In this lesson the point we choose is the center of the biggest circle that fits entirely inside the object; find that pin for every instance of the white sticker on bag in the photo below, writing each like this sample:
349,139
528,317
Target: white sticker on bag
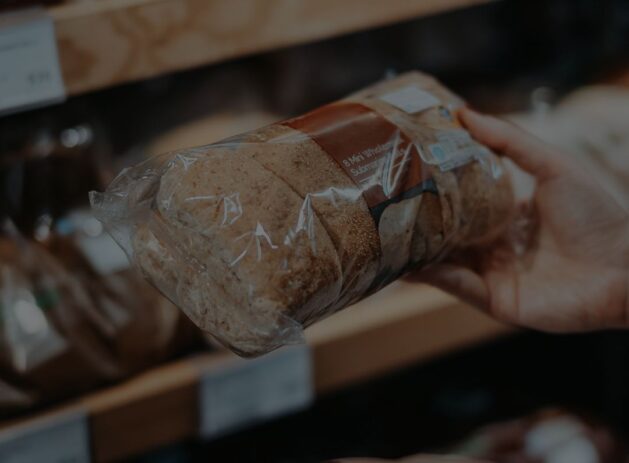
56,439
246,392
30,74
453,149
411,99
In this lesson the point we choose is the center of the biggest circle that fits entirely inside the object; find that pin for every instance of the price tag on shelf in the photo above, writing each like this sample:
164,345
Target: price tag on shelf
246,392
56,439
29,65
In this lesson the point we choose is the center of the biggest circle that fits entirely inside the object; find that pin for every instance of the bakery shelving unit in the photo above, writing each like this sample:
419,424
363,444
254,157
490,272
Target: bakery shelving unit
108,42
103,43
397,327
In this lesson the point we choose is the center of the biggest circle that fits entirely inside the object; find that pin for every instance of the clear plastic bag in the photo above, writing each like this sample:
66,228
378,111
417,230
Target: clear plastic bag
262,234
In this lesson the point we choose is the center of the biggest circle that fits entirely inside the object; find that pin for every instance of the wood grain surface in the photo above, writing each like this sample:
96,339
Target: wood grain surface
399,326
109,42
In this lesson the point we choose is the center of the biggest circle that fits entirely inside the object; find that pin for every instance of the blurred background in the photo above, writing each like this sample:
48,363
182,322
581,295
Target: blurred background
409,370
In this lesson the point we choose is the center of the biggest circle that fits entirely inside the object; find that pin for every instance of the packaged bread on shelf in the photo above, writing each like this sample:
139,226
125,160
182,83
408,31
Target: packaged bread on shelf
71,320
262,234
50,340
136,324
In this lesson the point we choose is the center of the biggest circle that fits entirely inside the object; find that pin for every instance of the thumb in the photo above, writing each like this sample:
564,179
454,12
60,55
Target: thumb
527,151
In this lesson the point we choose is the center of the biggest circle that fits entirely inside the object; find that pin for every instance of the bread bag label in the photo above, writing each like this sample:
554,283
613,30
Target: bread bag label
411,99
377,156
453,148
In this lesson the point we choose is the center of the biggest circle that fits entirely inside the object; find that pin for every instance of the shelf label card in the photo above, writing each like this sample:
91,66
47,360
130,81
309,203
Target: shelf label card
30,74
61,438
245,392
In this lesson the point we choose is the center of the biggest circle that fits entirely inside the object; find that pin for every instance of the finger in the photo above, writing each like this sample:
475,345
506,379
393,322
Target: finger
459,281
527,151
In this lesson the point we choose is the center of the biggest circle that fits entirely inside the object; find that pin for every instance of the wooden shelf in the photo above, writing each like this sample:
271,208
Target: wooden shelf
108,42
399,326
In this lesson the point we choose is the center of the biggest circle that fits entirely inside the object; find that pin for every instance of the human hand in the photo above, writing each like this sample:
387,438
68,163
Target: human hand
573,275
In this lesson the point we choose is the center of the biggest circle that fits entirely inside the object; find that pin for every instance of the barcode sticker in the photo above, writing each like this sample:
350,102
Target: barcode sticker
57,439
30,75
454,149
411,99
246,392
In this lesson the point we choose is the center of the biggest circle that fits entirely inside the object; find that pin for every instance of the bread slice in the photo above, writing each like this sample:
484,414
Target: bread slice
254,253
333,196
